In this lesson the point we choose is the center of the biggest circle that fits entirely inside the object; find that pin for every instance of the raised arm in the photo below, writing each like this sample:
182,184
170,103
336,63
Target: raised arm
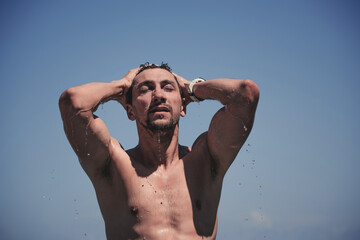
231,125
88,134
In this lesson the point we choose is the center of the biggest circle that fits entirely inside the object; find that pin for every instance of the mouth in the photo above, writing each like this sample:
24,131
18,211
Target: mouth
160,108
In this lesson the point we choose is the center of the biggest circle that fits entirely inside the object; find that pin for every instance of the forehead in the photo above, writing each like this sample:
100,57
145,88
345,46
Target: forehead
155,74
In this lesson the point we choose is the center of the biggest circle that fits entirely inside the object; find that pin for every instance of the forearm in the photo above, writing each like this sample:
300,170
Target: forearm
227,91
87,97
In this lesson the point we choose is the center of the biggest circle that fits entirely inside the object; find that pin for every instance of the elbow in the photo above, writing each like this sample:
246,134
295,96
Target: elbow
67,100
249,91
242,91
245,98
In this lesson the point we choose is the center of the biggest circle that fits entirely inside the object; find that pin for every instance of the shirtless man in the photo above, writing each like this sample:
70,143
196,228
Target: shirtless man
159,189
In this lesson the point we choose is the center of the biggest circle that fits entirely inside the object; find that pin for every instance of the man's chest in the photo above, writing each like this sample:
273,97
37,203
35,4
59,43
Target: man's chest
181,200
160,197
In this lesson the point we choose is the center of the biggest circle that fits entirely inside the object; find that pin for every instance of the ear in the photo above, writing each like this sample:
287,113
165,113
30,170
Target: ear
183,108
130,112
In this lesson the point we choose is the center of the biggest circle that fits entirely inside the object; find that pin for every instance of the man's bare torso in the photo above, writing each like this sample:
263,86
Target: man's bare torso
158,190
179,202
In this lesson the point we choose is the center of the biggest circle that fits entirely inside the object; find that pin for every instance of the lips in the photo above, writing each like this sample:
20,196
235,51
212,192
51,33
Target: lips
160,108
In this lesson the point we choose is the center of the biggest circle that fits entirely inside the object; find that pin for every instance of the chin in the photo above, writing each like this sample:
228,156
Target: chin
161,125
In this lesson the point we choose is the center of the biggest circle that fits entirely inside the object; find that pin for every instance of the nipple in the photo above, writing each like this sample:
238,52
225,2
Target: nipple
134,211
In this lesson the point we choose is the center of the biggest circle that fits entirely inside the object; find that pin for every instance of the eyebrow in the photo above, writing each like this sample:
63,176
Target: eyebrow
169,82
149,82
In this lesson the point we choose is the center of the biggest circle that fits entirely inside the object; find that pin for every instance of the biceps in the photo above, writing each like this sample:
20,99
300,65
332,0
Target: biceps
227,133
88,136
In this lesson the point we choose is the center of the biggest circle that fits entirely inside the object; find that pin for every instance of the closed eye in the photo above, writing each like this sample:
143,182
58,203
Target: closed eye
143,89
168,85
145,86
169,88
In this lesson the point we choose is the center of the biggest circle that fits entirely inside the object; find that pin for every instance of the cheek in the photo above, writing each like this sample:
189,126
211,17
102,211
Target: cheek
141,105
177,104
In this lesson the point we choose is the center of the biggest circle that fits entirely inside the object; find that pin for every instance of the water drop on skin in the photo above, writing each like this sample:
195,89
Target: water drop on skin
159,147
245,128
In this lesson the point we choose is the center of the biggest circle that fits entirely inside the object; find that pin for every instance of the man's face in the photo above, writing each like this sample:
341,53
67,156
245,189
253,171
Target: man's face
156,100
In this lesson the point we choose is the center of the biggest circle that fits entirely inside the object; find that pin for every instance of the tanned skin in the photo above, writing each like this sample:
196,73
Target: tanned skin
159,189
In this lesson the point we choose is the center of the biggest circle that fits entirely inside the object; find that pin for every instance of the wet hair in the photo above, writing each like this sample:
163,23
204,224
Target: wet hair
148,65
144,67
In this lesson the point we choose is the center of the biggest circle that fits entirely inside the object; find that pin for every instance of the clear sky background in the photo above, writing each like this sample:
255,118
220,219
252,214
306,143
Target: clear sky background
297,176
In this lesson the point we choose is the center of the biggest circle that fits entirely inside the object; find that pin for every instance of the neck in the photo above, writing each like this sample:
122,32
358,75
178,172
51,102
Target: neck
158,148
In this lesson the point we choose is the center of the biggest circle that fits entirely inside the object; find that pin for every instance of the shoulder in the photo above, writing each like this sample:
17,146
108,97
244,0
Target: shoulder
118,157
116,147
200,142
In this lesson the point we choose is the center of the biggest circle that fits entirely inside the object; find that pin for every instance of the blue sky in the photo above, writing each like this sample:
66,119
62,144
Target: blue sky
295,178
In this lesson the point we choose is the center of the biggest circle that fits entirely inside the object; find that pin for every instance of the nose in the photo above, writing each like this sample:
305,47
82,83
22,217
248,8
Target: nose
159,95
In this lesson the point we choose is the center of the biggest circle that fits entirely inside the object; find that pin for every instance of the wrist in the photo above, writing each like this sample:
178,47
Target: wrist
190,89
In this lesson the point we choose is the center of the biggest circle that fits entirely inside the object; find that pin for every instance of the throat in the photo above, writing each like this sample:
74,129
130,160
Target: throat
159,150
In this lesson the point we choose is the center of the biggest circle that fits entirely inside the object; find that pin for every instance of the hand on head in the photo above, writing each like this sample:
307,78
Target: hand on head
183,82
126,83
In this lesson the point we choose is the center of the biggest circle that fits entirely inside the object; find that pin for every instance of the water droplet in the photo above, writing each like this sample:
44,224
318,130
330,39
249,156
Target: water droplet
88,154
245,128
